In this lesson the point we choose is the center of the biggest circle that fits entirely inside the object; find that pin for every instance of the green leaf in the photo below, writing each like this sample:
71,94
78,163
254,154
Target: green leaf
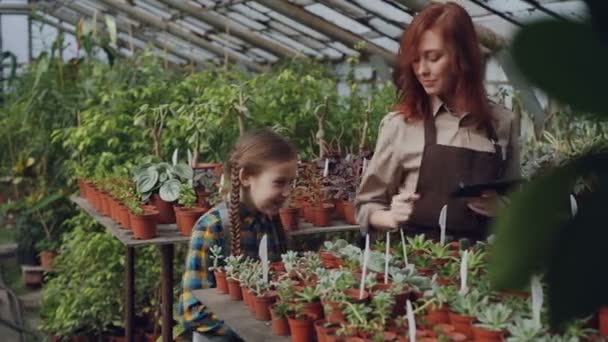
169,191
183,171
111,28
147,180
572,68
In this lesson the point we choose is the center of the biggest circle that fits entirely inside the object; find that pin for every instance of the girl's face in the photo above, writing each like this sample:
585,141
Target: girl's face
269,189
432,67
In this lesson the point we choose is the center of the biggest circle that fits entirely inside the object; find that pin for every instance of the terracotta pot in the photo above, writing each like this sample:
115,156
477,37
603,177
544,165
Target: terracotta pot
457,337
484,335
220,281
143,226
333,312
313,309
186,218
328,259
308,216
93,197
444,328
280,325
82,188
151,337
463,324
603,322
330,336
262,307
277,266
105,203
113,209
355,339
234,289
352,296
123,216
166,215
349,212
249,299
302,330
400,302
289,218
46,259
322,215
387,336
439,316
339,212
322,330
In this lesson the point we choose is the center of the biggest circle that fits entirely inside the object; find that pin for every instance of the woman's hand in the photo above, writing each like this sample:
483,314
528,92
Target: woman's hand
402,206
488,204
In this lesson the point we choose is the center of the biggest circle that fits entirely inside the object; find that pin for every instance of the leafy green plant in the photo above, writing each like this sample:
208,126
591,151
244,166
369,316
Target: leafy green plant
310,294
524,330
233,266
281,309
216,256
382,304
285,290
468,304
494,317
187,197
162,178
418,243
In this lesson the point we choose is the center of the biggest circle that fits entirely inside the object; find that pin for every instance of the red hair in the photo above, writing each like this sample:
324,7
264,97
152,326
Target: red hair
466,63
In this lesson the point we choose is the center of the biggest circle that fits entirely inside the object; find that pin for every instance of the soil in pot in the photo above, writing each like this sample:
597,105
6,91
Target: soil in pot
143,226
333,312
302,328
349,212
186,218
234,289
262,306
289,218
463,324
484,335
220,281
322,215
166,214
46,259
280,325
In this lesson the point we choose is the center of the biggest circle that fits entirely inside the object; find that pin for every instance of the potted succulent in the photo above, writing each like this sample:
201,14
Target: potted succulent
206,180
301,325
233,269
437,301
161,184
218,272
321,205
330,253
289,215
310,301
463,309
333,285
264,298
143,222
187,213
493,321
278,313
524,330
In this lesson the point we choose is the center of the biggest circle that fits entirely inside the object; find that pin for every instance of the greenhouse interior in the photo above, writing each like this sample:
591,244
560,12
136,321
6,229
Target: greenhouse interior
303,170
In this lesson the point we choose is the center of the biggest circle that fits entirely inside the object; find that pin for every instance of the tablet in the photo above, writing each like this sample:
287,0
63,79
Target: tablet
475,190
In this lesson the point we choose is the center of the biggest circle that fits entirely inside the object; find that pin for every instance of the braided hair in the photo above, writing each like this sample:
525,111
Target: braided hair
252,153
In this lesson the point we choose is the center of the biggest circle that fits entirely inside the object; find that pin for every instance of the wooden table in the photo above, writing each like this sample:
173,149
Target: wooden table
238,317
336,226
168,235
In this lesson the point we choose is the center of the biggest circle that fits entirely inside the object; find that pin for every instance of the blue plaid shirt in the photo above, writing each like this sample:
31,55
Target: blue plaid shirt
208,232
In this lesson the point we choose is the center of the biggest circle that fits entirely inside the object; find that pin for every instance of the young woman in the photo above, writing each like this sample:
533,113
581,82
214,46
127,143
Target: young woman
443,132
263,167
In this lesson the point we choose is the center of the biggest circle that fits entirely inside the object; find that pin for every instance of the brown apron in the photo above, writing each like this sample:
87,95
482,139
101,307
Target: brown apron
442,170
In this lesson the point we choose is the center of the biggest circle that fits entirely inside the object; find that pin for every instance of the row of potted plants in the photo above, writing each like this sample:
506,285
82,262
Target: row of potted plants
319,294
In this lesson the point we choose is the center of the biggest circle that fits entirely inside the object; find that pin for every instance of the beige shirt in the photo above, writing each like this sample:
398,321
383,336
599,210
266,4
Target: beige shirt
395,166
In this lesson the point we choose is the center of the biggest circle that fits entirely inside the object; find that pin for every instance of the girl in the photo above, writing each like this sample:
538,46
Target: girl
263,167
443,132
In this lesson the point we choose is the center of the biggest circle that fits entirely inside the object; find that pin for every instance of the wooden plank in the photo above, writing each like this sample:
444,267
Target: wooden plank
238,317
336,226
166,233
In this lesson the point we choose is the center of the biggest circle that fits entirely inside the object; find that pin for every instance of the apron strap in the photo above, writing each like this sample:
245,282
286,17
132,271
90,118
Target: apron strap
226,226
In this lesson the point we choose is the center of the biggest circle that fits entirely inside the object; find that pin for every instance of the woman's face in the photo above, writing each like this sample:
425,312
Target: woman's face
432,67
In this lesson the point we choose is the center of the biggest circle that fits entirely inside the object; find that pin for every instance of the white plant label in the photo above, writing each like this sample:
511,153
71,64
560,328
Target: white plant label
326,169
364,271
464,265
443,219
386,256
573,205
404,247
364,167
411,322
537,299
221,183
263,253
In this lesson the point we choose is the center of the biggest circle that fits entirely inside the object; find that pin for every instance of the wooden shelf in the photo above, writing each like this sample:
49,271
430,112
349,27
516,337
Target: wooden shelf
166,233
336,226
237,316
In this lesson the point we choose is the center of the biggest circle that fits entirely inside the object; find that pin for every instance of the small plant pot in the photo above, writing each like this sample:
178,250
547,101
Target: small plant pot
220,281
322,330
277,266
46,260
349,212
186,218
313,309
457,337
329,260
484,335
444,328
123,216
322,215
439,316
280,325
603,322
302,330
262,306
166,214
143,226
400,302
463,324
308,215
352,295
333,312
105,203
248,299
289,218
234,289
